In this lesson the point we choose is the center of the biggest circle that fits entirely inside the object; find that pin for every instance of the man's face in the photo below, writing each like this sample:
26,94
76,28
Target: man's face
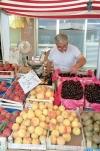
62,47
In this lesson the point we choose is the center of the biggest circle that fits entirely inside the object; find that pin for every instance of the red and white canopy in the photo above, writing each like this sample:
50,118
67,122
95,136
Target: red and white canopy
53,8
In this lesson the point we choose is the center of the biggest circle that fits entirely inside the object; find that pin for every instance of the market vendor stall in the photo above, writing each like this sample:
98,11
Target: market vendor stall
36,116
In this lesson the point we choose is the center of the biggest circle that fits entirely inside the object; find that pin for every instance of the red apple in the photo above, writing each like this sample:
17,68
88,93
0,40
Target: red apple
7,132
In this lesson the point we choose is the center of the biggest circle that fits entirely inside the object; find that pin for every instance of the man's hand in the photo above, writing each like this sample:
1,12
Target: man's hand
74,69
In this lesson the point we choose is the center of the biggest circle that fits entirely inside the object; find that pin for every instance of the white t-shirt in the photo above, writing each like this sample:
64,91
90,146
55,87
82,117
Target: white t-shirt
64,60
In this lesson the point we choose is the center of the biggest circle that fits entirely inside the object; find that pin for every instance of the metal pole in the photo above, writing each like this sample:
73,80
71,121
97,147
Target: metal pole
98,62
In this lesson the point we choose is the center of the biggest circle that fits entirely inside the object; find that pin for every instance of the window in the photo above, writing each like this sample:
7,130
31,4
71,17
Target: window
84,33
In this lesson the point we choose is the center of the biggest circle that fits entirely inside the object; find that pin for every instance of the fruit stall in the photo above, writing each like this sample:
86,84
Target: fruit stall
62,116
58,112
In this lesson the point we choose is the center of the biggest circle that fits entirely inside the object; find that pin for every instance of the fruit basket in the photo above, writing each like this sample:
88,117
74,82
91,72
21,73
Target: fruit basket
41,93
67,134
91,128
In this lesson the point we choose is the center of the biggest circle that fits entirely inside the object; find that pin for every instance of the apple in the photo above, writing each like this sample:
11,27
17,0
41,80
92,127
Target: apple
7,132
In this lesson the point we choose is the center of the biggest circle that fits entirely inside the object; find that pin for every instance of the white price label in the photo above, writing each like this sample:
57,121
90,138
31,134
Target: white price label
29,81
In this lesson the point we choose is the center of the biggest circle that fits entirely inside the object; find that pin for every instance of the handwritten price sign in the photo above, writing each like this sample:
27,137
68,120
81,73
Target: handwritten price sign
29,81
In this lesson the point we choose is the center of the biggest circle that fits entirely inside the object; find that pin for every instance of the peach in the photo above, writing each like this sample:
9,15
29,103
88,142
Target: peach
62,129
38,113
19,119
15,127
45,112
43,125
26,140
48,94
40,96
55,107
51,126
27,134
35,106
47,119
55,133
68,129
38,130
35,121
18,140
75,123
67,137
41,106
53,139
44,132
60,119
66,122
30,114
34,136
61,108
65,114
27,122
35,141
60,140
24,115
15,134
52,114
53,121
42,118
21,133
30,129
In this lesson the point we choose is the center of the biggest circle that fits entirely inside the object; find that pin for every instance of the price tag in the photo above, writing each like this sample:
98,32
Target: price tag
29,81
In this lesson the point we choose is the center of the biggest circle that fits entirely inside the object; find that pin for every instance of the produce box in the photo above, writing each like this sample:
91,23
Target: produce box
14,95
70,93
92,94
68,133
91,129
41,93
7,70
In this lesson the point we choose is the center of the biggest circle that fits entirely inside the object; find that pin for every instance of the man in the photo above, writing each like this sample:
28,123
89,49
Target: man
64,56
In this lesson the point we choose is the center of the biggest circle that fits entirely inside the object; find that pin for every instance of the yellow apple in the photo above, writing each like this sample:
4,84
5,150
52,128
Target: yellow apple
76,131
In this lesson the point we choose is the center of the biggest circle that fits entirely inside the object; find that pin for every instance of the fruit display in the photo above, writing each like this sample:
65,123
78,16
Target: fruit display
6,122
72,90
92,93
91,127
32,125
41,92
15,93
63,125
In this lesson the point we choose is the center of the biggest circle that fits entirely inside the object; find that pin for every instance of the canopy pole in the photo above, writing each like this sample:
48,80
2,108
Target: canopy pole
98,62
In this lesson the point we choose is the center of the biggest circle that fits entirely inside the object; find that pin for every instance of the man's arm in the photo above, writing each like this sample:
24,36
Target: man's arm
79,63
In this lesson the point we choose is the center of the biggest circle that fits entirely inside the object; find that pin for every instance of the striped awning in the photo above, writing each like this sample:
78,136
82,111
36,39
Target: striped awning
52,8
